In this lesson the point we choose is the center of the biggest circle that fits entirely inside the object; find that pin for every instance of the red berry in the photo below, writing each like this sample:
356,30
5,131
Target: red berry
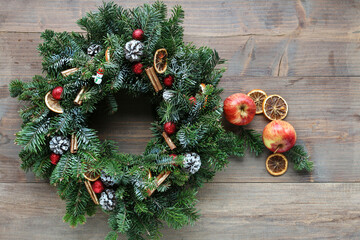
97,186
170,128
54,158
174,156
192,100
137,68
168,81
138,34
56,92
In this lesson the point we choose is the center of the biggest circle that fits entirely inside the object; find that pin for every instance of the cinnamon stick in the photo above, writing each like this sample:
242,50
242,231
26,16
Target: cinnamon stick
168,141
68,72
91,192
73,144
78,99
150,71
159,180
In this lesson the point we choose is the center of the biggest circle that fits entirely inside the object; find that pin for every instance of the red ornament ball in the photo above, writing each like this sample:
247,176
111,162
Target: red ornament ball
56,92
173,156
54,158
137,68
97,186
168,81
192,100
138,34
170,128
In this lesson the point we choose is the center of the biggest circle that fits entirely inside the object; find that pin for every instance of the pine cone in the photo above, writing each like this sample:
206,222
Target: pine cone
59,144
133,50
192,162
107,200
108,180
93,50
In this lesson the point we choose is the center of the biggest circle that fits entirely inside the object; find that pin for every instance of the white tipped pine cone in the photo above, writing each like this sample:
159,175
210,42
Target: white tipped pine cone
107,200
59,144
192,162
133,50
108,180
93,49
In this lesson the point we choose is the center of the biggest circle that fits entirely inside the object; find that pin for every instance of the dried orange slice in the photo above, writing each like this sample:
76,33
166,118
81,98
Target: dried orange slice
258,96
91,176
52,103
160,60
276,164
275,107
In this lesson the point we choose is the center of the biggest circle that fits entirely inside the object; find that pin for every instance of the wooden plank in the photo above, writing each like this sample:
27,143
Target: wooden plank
247,56
324,112
229,211
203,18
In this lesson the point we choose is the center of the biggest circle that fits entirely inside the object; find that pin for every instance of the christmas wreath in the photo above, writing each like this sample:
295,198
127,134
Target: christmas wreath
140,52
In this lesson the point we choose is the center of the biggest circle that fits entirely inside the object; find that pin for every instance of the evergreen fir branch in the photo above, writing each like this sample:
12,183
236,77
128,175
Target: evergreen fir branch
69,167
112,235
16,88
78,202
300,157
252,140
32,136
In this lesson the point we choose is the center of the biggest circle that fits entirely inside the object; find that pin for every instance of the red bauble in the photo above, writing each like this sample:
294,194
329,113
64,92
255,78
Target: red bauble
56,92
137,68
170,128
168,81
192,100
173,156
138,34
54,158
97,186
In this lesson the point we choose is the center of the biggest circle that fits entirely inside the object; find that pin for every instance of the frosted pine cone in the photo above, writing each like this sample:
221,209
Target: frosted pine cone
108,180
192,162
107,200
133,50
59,144
93,50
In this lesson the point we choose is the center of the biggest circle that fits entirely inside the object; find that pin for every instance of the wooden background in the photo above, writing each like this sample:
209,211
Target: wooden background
307,51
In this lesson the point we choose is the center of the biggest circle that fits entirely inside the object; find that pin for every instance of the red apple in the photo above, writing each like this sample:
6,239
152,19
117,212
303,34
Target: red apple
239,109
279,135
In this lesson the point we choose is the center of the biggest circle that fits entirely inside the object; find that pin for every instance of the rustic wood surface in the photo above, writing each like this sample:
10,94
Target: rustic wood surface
307,51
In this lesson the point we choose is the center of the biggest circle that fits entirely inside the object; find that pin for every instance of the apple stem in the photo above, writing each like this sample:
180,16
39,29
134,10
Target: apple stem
277,149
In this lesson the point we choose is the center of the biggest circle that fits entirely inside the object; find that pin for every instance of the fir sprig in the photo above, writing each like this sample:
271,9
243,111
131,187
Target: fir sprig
252,140
301,158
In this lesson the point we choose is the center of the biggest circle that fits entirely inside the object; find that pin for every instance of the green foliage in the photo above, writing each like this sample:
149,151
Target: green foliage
252,140
199,128
301,158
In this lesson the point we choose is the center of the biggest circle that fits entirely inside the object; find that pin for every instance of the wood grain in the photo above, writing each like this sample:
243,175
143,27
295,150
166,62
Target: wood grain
326,127
304,50
252,211
247,56
203,18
